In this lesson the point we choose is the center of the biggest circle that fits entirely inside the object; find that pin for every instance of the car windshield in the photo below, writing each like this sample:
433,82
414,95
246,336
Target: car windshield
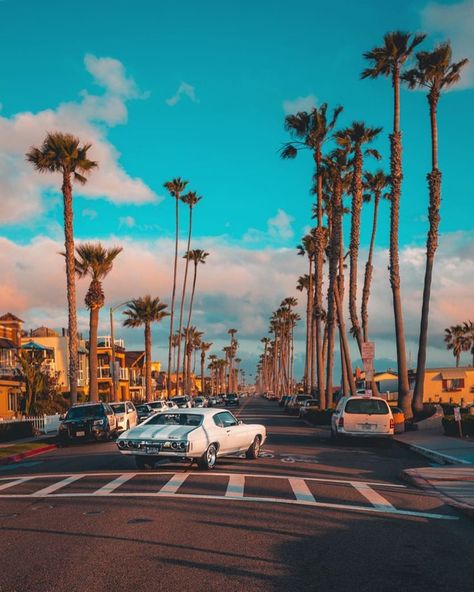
118,407
300,398
142,408
179,400
86,411
366,406
184,419
156,405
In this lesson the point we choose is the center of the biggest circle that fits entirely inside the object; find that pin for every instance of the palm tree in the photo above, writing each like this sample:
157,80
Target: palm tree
388,60
143,312
436,72
352,139
96,261
197,256
468,327
455,339
375,184
204,347
303,285
62,153
190,199
175,189
311,130
232,333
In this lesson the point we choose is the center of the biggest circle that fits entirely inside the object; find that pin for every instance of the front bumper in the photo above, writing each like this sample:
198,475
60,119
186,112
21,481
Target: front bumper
163,449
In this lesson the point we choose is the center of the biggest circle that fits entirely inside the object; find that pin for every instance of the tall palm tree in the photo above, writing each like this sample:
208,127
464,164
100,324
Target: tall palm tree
311,130
303,285
204,347
175,189
308,247
190,199
468,327
232,333
96,261
436,72
388,61
62,153
455,339
375,185
352,139
141,312
197,256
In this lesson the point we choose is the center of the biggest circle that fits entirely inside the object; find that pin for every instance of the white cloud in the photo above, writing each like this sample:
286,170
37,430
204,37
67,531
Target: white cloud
279,228
293,106
88,213
453,22
184,90
88,118
127,221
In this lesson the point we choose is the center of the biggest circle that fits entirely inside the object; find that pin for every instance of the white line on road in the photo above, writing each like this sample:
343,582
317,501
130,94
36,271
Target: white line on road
174,483
115,484
55,486
15,482
301,490
374,498
235,487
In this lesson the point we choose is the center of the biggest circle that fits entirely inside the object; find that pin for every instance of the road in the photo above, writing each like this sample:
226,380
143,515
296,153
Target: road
306,516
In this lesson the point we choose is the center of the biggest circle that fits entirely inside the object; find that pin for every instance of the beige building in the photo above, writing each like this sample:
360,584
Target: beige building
449,385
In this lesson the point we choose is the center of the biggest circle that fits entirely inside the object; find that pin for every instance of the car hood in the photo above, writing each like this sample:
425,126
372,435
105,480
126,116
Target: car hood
168,432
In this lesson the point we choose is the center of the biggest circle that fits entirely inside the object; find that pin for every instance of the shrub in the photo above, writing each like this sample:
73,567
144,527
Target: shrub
451,427
320,416
15,430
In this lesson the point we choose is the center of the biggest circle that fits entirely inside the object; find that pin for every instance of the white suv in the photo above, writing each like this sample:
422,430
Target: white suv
125,414
367,417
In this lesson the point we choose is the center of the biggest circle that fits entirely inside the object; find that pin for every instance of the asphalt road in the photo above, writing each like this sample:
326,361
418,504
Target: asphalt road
307,515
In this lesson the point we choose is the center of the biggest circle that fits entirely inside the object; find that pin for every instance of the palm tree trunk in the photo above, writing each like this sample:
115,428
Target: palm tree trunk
396,180
183,295
148,389
320,236
344,379
93,329
203,359
309,332
190,308
368,274
354,243
345,343
173,295
71,286
434,183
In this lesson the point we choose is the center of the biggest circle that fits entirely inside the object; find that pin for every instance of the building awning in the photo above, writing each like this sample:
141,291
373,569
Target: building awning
452,373
36,346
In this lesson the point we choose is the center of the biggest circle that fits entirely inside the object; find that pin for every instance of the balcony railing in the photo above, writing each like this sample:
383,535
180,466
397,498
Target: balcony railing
104,372
106,341
7,371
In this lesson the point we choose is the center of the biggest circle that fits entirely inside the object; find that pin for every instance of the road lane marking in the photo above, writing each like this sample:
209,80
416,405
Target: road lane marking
301,490
377,500
114,484
13,483
55,486
235,486
174,483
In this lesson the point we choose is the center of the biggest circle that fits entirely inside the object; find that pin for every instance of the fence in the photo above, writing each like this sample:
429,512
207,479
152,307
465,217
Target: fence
45,424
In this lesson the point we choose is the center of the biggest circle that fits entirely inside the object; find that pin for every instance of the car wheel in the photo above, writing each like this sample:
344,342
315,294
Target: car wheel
208,459
144,463
254,449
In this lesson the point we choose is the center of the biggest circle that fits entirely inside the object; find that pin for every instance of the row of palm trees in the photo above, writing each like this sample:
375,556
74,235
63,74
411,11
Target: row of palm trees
339,172
460,338
225,371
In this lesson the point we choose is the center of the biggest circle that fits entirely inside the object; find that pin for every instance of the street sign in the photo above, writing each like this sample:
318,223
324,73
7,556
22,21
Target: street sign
368,350
457,414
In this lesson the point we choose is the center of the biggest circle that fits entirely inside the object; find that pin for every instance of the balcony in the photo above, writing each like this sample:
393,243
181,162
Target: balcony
106,341
103,372
7,372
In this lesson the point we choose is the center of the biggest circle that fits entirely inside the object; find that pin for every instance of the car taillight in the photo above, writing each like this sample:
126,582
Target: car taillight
392,424
340,423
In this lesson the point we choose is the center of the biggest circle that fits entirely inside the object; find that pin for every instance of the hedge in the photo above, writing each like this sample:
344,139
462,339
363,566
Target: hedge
319,417
451,427
15,430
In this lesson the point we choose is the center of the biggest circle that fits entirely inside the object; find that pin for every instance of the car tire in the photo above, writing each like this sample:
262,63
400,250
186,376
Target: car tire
208,460
254,449
144,463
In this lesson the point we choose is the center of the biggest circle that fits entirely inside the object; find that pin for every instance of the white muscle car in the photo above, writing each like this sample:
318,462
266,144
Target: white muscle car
198,435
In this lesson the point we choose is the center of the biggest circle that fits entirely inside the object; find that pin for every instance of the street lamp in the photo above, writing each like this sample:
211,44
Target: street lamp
112,339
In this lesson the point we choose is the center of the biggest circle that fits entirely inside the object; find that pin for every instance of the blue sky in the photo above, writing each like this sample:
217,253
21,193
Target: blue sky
238,65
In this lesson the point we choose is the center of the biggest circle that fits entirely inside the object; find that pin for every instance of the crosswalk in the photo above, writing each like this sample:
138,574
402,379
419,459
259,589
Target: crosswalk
309,492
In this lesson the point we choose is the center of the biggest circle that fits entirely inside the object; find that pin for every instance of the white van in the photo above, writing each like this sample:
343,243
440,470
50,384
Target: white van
366,417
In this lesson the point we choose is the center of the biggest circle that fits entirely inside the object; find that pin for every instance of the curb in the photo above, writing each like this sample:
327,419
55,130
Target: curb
20,456
439,457
421,483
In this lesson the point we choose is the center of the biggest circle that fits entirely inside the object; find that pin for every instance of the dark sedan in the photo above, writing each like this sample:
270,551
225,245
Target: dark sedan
89,421
231,399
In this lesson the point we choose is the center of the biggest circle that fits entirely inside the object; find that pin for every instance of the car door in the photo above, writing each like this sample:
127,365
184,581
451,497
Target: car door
132,415
110,417
236,432
220,433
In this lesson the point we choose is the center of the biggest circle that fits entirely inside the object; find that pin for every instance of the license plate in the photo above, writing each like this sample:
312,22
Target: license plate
367,427
80,433
153,449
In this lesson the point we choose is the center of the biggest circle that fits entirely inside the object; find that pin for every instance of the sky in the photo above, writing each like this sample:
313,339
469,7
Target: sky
200,90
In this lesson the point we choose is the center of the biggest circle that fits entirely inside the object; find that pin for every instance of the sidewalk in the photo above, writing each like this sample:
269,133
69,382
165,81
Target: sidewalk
15,451
454,482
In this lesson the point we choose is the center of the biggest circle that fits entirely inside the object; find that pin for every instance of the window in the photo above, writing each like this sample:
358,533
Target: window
454,384
366,406
13,402
184,419
225,420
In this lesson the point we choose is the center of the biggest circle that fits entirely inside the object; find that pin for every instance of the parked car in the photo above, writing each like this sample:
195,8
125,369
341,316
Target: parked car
126,415
398,420
88,421
284,399
367,417
159,405
197,435
144,411
231,399
200,402
183,402
307,406
296,401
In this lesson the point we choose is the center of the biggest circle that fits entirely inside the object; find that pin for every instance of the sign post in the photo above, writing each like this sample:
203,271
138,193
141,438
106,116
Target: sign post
457,417
368,355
